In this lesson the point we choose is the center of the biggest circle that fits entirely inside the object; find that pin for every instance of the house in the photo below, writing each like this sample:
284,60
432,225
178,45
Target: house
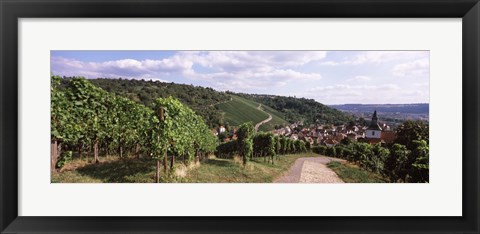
388,136
339,136
309,139
330,142
352,136
288,130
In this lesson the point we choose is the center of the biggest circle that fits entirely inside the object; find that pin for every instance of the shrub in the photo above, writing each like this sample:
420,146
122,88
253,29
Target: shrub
227,149
64,158
331,152
319,149
339,152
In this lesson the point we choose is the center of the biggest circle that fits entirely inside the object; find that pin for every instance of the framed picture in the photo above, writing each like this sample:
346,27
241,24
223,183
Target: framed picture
227,116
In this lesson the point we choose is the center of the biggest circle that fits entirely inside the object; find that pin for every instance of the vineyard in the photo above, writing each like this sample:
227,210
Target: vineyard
87,120
85,117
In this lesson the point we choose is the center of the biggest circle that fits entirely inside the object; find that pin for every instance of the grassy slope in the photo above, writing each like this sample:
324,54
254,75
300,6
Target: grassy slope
353,174
115,170
276,119
241,110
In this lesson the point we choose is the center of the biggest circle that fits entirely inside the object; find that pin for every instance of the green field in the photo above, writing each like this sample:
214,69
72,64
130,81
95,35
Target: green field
276,119
240,110
353,174
214,170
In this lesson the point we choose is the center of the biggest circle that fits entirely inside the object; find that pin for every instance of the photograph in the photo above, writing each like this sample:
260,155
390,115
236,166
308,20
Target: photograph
239,116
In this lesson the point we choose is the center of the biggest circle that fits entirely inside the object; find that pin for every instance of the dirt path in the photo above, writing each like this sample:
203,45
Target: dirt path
311,170
264,121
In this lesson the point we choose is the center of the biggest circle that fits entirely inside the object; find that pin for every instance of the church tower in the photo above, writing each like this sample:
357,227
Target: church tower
374,130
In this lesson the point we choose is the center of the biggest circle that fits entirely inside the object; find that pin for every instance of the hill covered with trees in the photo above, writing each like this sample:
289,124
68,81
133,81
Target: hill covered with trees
301,109
199,99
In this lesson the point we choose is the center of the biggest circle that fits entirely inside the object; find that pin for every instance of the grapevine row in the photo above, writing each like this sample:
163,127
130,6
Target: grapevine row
84,116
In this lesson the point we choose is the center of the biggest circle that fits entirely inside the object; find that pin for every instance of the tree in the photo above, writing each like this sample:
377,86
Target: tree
410,131
245,143
419,172
396,164
380,154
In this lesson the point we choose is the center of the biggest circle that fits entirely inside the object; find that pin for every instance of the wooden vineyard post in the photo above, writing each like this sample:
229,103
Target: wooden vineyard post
53,155
95,152
137,151
162,118
158,171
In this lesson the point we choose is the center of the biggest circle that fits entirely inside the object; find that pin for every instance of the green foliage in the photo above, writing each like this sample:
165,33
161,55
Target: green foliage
420,166
319,149
64,125
283,144
65,157
85,114
377,159
227,149
354,174
264,145
240,110
339,150
181,131
308,146
396,163
346,141
201,100
300,146
411,131
245,141
331,152
278,145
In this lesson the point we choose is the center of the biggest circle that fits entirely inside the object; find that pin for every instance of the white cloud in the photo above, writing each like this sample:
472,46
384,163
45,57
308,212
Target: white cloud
416,68
360,79
223,69
377,57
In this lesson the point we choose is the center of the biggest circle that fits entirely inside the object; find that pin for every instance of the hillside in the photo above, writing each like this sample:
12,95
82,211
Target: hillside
201,100
294,109
218,108
240,110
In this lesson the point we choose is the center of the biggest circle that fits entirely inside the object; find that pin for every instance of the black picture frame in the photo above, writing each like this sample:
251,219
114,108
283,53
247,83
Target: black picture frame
11,11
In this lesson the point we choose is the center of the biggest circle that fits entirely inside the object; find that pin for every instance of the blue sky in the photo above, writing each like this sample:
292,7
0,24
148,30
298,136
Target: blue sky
330,77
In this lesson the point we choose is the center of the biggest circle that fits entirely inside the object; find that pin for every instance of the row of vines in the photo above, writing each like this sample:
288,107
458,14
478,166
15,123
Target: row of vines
260,144
87,118
396,162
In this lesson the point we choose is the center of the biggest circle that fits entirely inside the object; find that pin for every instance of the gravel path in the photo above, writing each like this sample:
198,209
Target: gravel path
264,121
310,170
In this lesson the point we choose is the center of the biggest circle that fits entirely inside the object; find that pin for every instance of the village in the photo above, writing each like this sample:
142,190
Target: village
328,135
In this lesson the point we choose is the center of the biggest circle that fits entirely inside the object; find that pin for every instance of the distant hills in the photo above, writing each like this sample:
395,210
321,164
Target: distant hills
420,108
393,114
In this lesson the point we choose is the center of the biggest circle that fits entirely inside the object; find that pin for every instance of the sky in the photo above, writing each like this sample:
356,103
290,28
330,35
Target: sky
329,77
